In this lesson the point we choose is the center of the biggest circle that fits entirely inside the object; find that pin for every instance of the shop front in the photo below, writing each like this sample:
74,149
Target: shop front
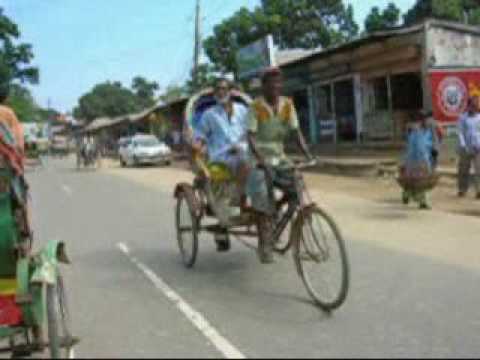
367,90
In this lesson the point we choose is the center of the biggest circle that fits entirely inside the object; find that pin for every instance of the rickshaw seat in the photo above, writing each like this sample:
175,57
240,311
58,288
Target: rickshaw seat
216,172
220,172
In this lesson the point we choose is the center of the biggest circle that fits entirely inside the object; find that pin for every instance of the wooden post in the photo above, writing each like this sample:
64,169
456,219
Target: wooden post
334,114
312,115
357,93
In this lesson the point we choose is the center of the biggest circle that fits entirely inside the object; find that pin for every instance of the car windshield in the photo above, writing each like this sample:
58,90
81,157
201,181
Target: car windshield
147,142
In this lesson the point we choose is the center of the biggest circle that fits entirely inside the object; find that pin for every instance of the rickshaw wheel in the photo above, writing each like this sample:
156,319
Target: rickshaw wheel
60,340
187,225
321,259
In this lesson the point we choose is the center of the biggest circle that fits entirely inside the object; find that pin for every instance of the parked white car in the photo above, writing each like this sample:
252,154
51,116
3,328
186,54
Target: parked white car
143,150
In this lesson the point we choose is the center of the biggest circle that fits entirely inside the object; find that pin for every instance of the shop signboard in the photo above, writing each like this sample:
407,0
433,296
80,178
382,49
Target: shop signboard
451,90
328,129
256,57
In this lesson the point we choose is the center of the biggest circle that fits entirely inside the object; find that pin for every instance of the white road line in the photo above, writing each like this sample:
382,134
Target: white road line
196,318
67,190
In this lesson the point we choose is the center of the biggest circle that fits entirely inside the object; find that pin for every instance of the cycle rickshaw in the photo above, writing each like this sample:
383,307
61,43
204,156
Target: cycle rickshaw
33,306
88,157
315,240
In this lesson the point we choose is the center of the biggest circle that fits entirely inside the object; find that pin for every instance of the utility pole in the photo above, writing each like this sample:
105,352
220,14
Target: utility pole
198,43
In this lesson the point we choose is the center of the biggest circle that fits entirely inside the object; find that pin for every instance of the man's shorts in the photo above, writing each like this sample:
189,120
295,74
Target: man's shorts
257,188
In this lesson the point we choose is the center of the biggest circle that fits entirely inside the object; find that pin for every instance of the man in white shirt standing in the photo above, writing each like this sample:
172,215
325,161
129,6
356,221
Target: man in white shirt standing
469,147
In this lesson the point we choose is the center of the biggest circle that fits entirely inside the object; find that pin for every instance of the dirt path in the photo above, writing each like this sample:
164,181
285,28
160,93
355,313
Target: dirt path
386,190
382,190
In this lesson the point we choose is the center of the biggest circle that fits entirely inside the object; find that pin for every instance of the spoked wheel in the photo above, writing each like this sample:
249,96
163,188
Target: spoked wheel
187,229
283,244
60,339
321,258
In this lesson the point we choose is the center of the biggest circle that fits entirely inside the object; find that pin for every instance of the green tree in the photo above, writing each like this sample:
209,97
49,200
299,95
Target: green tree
465,11
45,115
22,102
229,36
27,110
145,91
294,24
381,20
307,24
109,99
15,57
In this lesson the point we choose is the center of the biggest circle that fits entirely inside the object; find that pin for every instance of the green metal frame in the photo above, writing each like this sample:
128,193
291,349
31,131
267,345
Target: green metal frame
8,231
32,273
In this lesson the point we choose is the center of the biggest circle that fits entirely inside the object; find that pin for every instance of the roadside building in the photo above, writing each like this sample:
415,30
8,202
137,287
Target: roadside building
365,90
164,120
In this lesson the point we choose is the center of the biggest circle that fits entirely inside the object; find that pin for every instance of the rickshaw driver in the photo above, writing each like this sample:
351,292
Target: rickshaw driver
10,120
223,131
273,119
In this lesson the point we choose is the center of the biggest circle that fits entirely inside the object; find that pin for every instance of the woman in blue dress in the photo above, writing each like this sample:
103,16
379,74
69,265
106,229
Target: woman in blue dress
418,167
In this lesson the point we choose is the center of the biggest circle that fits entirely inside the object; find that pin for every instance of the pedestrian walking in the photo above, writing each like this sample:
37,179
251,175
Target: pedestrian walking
469,148
417,175
430,124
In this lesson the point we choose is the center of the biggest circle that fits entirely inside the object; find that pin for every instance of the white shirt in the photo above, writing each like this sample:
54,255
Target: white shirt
469,132
221,133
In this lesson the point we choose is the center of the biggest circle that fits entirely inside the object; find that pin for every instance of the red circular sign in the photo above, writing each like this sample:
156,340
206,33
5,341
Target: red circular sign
452,96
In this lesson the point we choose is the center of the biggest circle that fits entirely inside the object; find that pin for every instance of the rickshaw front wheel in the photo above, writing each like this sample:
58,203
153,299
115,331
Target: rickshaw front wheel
321,259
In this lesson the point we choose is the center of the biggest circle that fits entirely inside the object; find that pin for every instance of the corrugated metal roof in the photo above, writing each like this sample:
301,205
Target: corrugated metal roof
379,35
104,122
357,43
144,113
284,57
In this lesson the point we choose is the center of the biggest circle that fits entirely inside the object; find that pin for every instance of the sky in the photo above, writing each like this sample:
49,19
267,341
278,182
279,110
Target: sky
80,43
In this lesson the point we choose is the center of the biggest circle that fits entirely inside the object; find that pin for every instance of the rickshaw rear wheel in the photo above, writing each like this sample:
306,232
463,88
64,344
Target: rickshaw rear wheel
60,339
187,224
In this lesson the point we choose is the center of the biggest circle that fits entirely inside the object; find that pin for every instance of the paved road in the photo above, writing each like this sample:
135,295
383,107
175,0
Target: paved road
404,302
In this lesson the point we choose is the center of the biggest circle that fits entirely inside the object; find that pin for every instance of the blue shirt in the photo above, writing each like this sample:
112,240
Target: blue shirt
419,148
469,132
221,133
